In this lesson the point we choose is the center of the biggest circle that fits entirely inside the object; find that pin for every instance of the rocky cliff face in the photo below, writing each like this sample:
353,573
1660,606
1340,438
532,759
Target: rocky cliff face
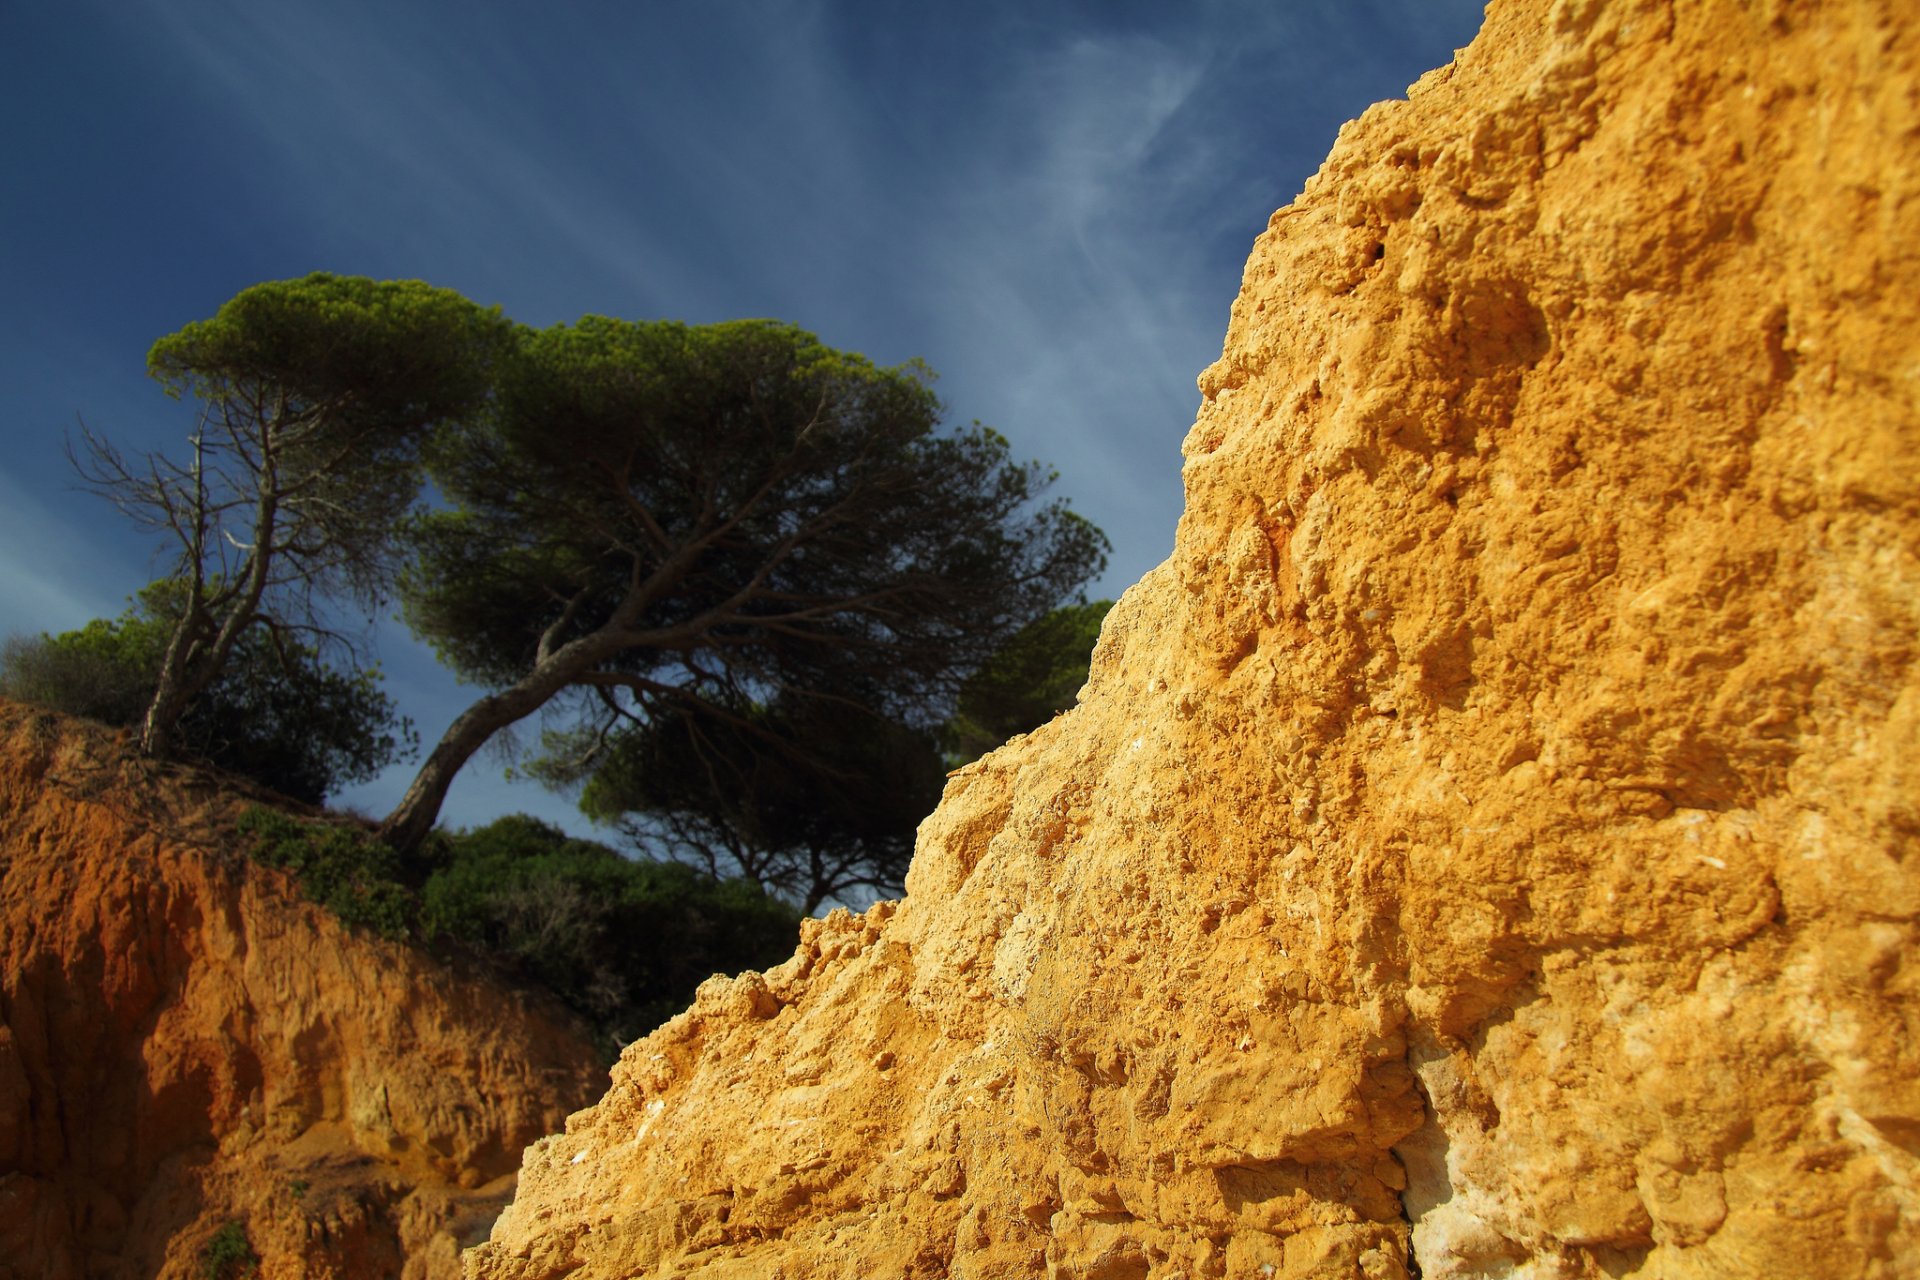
1493,837
184,1043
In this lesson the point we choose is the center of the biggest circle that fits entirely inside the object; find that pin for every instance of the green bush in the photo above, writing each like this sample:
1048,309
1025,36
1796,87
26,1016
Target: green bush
349,873
75,673
623,942
228,1255
277,714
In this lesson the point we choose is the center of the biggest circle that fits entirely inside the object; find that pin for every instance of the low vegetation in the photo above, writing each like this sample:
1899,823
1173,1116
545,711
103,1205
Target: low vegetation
277,712
228,1254
622,943
340,867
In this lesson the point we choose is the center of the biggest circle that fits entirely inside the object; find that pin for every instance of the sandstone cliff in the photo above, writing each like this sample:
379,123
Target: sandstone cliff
185,1043
1493,837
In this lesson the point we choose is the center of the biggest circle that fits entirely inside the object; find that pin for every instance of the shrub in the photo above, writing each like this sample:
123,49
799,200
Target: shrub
278,714
228,1255
623,942
75,674
349,873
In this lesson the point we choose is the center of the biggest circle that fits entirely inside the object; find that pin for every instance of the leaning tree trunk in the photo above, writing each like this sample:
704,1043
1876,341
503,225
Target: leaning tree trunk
163,712
188,669
407,826
170,692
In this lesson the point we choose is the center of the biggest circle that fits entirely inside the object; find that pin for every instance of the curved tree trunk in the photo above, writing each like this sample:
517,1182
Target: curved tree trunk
407,826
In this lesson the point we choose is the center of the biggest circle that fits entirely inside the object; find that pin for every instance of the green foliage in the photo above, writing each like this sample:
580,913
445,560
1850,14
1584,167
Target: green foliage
278,714
335,380
228,1255
715,516
349,873
82,673
624,943
1034,677
401,349
343,375
305,729
793,501
811,799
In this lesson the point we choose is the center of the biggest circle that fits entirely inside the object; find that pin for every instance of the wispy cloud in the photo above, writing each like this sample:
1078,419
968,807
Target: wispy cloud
1051,204
1077,306
607,154
53,575
1056,222
410,143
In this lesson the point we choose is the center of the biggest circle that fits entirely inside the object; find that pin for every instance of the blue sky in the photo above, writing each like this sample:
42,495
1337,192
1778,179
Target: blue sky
1049,203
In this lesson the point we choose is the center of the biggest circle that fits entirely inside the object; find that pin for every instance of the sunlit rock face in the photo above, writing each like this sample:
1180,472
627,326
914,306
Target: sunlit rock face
1493,837
185,1043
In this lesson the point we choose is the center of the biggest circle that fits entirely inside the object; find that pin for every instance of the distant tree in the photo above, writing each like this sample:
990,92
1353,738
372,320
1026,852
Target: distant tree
277,713
315,396
810,799
661,519
815,799
1035,676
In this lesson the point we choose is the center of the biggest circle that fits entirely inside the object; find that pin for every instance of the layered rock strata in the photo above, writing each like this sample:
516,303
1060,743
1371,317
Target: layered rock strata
1492,840
185,1044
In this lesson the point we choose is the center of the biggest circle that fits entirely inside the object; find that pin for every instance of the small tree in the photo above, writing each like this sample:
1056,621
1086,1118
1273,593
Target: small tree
661,518
315,397
277,713
815,799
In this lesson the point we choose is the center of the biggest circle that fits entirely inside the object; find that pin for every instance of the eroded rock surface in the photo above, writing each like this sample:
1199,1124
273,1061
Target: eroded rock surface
1492,835
184,1043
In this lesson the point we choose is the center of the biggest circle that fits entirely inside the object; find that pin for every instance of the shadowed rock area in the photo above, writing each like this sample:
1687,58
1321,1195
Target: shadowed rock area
1489,840
185,1044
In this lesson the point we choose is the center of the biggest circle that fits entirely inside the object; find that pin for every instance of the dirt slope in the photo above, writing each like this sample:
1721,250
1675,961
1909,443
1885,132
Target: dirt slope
1492,834
185,1043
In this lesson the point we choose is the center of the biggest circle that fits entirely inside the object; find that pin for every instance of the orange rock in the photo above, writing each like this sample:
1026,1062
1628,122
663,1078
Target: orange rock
184,1043
1492,834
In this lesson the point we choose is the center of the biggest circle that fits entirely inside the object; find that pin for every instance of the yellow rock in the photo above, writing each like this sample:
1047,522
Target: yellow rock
1506,792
